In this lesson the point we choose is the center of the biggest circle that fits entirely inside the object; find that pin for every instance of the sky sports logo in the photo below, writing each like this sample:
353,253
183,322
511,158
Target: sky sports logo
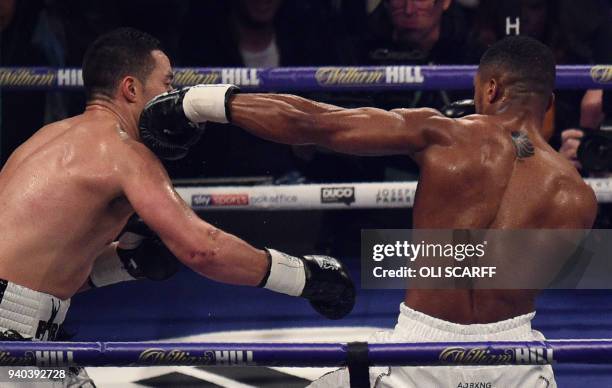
345,195
206,200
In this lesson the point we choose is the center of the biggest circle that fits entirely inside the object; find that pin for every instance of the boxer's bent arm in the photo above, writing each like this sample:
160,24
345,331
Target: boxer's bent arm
363,131
200,246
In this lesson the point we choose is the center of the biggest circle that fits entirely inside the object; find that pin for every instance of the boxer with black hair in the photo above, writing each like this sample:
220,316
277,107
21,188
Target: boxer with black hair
489,170
69,191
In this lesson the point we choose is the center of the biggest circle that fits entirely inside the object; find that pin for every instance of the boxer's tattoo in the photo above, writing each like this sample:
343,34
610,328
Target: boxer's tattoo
524,148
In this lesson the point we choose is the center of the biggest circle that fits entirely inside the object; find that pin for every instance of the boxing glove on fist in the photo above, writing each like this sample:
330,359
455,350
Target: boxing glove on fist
323,280
172,122
139,254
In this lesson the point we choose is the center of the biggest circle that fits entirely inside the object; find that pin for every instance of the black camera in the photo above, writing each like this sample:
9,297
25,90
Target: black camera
459,109
595,150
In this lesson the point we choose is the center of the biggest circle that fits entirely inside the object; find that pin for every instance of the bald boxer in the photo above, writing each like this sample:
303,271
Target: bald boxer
488,170
68,191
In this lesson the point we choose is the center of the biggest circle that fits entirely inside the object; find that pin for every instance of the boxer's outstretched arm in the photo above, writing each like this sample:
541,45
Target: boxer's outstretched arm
363,131
199,245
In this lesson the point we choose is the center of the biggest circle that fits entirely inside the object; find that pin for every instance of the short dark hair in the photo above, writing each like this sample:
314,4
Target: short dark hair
528,64
114,55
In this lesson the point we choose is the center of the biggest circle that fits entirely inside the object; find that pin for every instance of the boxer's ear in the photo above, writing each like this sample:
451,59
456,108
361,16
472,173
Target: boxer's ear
128,88
492,91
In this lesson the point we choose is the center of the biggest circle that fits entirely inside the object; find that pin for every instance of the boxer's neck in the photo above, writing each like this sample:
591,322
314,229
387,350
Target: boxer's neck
123,116
522,112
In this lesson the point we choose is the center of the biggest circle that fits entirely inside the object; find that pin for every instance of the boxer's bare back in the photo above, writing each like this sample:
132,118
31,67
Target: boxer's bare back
62,203
480,182
62,191
473,175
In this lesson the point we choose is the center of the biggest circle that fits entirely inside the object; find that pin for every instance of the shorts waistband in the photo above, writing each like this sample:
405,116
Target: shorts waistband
32,314
417,324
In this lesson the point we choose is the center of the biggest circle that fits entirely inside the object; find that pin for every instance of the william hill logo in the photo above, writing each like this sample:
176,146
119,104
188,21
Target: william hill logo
348,76
602,74
24,77
369,75
195,76
504,356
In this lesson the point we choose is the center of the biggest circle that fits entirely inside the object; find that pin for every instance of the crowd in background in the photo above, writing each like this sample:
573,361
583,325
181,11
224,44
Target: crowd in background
269,33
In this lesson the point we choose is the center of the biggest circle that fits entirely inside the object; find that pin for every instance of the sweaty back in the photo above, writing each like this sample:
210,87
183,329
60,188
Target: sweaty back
60,189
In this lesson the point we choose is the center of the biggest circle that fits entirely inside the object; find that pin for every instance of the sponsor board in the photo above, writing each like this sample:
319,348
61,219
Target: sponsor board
275,199
207,200
398,195
338,194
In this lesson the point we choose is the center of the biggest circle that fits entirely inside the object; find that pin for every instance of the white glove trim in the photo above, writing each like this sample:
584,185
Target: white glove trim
108,268
287,274
204,103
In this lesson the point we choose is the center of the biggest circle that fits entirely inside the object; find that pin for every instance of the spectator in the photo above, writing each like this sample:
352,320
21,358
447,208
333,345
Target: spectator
592,116
252,33
578,33
417,32
18,21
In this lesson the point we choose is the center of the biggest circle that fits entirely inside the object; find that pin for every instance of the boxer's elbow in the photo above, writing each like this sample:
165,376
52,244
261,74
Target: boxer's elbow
201,252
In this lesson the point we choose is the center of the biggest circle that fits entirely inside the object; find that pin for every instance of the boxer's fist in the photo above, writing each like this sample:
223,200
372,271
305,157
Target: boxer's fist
143,254
139,254
323,280
165,128
328,287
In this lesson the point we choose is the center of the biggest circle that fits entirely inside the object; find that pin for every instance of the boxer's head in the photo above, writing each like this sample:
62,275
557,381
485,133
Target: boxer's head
128,67
513,68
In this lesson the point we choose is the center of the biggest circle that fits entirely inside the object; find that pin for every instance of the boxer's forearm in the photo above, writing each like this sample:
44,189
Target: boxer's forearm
281,118
295,120
360,131
225,258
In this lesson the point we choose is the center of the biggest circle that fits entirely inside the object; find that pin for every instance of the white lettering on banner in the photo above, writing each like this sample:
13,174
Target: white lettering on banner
240,77
404,75
516,26
51,358
70,77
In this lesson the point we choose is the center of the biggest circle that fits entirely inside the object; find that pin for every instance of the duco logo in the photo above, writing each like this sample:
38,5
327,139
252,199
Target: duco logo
344,195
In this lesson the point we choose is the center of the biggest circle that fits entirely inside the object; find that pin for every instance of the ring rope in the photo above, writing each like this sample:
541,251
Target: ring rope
316,79
325,196
62,354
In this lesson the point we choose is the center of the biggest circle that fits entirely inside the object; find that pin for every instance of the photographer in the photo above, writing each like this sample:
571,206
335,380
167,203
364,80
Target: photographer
588,148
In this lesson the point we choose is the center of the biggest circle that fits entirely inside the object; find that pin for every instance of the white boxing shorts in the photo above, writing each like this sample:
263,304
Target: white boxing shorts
30,314
25,315
413,326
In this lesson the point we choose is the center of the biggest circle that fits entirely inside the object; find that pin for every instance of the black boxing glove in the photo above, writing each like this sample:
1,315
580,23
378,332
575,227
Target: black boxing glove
139,254
323,280
458,109
173,122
